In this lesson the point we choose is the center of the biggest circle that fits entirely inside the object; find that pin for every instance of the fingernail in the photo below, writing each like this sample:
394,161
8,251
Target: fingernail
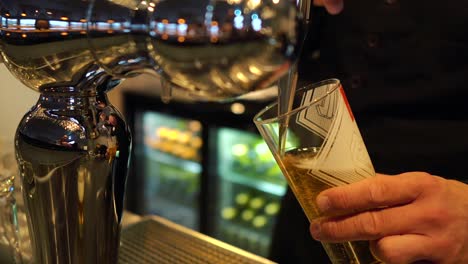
315,229
323,203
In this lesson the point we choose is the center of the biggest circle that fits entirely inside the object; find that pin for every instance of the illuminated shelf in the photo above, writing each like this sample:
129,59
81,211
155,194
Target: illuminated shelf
169,159
259,184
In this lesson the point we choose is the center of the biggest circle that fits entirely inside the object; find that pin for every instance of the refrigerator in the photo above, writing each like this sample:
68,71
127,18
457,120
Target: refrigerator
204,166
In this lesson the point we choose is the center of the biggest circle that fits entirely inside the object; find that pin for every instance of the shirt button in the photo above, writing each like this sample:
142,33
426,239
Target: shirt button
356,81
315,55
372,40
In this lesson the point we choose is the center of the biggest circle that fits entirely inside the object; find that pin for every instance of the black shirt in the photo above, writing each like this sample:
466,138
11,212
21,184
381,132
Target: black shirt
404,67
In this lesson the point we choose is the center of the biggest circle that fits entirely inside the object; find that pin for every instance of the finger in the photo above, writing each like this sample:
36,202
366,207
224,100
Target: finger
410,248
375,192
333,6
369,225
318,2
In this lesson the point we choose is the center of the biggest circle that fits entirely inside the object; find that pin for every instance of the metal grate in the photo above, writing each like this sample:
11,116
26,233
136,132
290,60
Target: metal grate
157,240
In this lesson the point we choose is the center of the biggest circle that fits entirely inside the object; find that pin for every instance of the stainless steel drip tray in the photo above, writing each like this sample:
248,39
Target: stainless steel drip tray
157,240
152,239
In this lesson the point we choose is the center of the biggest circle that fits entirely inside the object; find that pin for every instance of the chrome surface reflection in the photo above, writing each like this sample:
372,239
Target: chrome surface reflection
73,150
73,146
213,49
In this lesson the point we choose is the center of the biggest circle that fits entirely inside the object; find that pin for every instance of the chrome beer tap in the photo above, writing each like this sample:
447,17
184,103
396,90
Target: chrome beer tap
211,49
73,146
73,151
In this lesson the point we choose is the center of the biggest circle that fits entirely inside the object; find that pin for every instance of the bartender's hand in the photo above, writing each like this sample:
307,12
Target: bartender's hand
333,6
408,217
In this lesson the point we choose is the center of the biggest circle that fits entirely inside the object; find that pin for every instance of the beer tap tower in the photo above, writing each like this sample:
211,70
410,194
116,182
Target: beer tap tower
73,147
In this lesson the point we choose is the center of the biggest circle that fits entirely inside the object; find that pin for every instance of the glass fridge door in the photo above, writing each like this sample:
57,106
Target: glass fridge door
171,158
250,188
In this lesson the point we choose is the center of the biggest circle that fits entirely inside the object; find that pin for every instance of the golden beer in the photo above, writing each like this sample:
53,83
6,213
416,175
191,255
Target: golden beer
296,168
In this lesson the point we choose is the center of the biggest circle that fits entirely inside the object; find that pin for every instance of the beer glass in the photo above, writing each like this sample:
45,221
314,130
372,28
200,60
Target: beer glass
317,145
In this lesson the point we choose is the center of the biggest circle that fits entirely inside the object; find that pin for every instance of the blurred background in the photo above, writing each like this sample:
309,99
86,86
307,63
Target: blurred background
15,100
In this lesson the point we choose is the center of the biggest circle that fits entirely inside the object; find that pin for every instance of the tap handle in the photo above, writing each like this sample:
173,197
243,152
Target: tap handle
305,7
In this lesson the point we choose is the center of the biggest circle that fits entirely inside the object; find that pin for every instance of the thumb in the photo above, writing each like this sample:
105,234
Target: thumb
333,6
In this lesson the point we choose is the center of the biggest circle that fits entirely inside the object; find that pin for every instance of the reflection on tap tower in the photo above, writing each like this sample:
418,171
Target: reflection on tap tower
73,146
